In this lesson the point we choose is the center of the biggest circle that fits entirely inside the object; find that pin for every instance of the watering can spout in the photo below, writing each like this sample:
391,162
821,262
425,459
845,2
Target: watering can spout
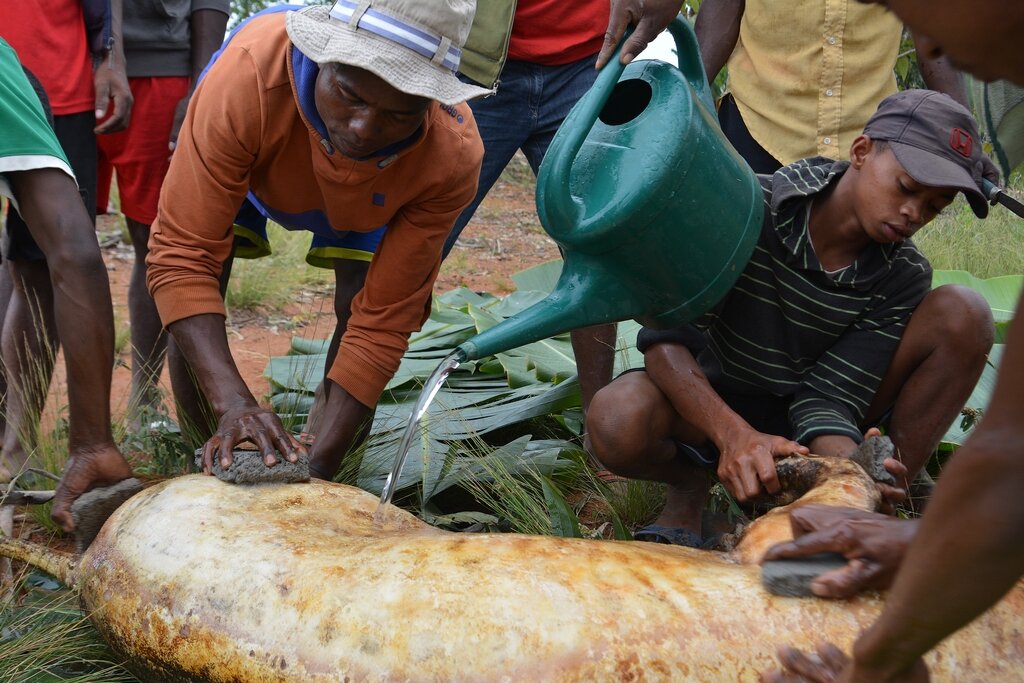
576,301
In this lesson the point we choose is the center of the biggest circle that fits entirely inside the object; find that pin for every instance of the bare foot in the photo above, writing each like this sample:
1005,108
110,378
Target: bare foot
87,470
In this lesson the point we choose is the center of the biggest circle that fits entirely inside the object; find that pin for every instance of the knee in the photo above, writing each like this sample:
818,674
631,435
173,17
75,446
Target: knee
962,319
617,420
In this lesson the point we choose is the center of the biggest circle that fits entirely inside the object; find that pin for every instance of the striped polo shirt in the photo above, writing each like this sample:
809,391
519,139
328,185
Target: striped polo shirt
788,329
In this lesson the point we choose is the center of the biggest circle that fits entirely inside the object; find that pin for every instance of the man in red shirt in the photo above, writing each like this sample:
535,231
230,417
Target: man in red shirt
550,65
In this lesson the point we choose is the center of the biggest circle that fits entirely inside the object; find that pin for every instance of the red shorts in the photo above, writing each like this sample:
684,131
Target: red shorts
139,154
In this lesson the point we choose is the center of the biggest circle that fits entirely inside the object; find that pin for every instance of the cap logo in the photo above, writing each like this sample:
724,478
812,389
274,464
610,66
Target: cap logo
961,142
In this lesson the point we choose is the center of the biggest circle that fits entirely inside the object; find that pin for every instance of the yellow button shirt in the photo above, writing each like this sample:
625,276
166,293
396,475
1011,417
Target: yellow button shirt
806,76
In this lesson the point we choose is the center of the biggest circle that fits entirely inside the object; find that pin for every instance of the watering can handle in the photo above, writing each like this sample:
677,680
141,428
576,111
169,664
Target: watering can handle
689,60
554,174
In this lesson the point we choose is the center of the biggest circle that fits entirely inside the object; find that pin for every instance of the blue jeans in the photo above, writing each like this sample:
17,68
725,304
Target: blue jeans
531,102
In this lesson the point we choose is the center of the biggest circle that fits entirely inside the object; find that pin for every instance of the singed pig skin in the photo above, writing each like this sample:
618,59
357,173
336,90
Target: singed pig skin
195,579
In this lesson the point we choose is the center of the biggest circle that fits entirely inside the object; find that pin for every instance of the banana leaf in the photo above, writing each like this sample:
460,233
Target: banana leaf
535,381
540,278
956,434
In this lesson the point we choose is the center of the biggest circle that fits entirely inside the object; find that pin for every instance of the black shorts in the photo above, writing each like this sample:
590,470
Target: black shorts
76,137
767,414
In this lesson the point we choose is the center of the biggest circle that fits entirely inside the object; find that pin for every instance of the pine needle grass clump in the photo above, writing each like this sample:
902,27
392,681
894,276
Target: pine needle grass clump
515,495
45,637
958,240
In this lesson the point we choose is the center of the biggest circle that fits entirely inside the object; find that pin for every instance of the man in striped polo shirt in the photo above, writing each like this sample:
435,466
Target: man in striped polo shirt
816,343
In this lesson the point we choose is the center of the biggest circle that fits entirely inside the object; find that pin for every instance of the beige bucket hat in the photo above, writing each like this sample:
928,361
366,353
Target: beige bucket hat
415,45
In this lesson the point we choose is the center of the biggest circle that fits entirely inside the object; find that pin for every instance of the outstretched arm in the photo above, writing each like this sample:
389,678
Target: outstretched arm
968,548
240,418
718,28
49,202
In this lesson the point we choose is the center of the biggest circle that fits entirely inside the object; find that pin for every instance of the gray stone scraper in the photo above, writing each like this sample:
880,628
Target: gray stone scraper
247,467
792,577
91,509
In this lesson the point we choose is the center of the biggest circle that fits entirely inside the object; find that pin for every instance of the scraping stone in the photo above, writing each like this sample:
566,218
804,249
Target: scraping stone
792,577
91,509
871,455
248,467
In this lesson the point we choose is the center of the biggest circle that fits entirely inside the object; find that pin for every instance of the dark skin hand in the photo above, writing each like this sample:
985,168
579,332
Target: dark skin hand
747,463
874,545
111,83
240,419
53,210
206,30
831,665
344,423
650,17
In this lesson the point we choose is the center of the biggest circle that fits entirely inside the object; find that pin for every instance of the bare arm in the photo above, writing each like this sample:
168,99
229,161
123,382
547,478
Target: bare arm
940,75
240,418
111,81
747,461
718,29
206,28
968,548
48,200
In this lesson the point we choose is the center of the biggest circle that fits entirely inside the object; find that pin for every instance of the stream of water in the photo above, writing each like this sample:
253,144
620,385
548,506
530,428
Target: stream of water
430,389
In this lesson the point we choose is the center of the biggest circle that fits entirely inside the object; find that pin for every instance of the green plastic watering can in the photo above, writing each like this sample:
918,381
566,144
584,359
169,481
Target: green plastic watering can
655,212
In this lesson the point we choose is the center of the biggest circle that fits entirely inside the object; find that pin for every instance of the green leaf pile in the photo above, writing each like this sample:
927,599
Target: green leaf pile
522,405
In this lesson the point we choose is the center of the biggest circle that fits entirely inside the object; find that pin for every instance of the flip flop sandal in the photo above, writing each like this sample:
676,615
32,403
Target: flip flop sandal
668,535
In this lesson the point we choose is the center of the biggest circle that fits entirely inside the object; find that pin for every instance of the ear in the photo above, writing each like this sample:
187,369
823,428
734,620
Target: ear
859,150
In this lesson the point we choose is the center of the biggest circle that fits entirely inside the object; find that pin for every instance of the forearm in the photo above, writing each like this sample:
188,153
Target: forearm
968,548
718,29
676,373
939,74
207,28
204,343
344,425
57,219
834,445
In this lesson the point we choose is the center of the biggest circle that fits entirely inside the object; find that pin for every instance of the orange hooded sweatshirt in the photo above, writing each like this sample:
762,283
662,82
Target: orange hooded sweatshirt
245,131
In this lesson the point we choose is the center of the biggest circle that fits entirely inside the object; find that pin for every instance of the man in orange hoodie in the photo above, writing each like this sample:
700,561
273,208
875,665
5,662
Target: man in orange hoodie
347,122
